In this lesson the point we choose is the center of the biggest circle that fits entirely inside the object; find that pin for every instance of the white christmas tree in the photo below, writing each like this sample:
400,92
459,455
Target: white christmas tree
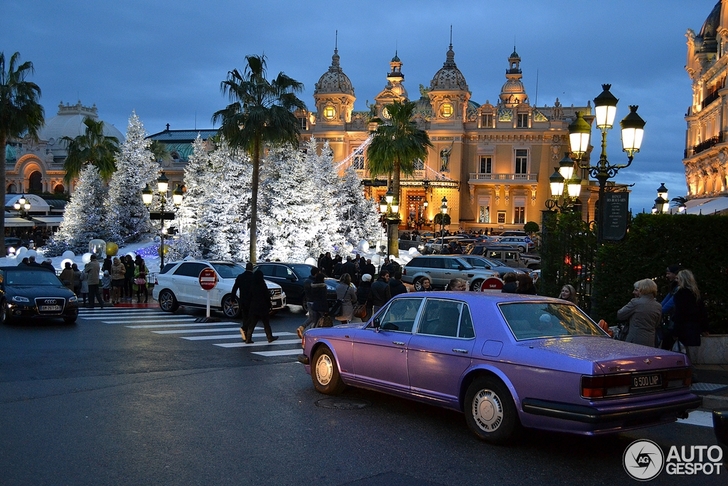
327,184
127,218
84,215
194,201
290,221
360,215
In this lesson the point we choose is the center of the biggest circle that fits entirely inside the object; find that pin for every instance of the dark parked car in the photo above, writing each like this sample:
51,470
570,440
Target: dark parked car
28,293
506,361
14,243
495,265
291,276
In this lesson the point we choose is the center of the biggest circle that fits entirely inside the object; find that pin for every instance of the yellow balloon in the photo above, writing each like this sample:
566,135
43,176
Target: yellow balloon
163,248
112,248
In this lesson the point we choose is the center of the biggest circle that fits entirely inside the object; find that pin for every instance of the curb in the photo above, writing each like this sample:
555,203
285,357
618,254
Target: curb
714,402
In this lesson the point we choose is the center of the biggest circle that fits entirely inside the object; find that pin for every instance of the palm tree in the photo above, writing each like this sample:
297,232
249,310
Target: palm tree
20,114
260,112
396,145
93,147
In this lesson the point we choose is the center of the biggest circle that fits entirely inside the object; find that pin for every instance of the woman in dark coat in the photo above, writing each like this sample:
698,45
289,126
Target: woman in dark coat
689,317
259,308
363,291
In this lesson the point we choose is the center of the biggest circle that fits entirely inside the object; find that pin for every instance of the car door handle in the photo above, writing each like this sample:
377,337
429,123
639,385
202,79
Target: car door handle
398,343
458,350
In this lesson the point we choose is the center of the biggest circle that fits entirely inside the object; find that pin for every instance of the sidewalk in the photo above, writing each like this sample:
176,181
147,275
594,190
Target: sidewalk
712,385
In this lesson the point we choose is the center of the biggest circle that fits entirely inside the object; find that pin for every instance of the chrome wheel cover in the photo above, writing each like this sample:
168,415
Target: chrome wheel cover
324,369
487,410
166,300
230,307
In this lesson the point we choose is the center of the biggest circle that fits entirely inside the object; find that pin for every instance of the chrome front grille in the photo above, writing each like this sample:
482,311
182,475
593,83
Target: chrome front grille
50,305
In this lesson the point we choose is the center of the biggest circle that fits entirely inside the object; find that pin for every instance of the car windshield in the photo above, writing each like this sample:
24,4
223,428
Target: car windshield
302,269
535,320
36,278
228,270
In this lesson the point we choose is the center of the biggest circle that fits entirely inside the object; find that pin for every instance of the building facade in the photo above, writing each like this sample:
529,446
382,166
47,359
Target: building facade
706,147
491,161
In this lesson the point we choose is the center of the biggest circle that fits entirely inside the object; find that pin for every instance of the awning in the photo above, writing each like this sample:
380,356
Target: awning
48,220
707,206
18,222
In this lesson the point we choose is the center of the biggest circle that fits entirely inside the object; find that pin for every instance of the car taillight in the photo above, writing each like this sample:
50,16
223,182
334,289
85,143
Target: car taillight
602,386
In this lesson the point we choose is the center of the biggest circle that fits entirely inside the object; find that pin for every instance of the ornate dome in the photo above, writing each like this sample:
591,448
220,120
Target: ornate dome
334,80
706,39
449,76
69,123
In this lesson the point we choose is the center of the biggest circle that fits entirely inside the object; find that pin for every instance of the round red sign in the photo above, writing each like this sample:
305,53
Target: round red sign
492,283
208,279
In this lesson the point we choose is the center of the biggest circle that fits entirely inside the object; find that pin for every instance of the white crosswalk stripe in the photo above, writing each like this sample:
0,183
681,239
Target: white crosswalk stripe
188,328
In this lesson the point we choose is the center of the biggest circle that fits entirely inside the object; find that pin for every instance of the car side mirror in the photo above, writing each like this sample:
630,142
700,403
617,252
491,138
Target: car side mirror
376,324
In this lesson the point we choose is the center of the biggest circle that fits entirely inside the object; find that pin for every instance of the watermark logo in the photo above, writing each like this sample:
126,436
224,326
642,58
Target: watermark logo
643,460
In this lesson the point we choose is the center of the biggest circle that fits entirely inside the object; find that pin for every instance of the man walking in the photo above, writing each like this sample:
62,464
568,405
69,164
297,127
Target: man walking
381,293
308,298
244,283
93,271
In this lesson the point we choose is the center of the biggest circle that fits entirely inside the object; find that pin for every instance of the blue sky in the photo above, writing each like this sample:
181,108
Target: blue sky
166,59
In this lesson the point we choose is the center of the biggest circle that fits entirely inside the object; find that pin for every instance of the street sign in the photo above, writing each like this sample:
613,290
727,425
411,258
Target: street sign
208,279
491,283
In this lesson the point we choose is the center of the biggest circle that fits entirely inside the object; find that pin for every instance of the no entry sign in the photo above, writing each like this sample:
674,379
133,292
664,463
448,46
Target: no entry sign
208,279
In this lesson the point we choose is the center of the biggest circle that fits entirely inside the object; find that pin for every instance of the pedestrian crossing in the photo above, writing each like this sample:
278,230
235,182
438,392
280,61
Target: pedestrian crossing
224,334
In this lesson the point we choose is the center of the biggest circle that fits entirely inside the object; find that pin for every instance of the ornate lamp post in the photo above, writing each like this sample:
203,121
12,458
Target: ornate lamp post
564,177
22,206
662,202
580,131
389,208
443,212
148,197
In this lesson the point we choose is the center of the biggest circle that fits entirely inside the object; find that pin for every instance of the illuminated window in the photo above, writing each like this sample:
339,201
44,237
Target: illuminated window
486,120
522,120
519,210
329,112
486,164
446,110
521,162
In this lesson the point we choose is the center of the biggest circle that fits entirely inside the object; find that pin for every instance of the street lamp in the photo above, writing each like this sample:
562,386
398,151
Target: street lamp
22,206
580,132
443,212
147,198
389,208
662,202
564,177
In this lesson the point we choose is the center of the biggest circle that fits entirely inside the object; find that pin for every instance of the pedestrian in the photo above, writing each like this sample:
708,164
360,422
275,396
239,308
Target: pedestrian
319,301
67,276
369,268
381,292
129,269
363,293
643,313
525,284
260,306
117,280
106,286
568,292
24,262
510,283
244,284
48,265
76,279
140,280
690,315
396,286
425,285
83,278
345,292
92,271
666,332
327,264
457,284
32,262
106,266
308,298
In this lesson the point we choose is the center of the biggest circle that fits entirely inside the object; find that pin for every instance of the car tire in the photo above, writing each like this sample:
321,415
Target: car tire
230,307
70,320
325,373
477,285
490,412
417,284
167,301
3,313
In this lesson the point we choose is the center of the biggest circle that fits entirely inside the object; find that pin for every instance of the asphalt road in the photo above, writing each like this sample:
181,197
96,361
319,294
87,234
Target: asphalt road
113,400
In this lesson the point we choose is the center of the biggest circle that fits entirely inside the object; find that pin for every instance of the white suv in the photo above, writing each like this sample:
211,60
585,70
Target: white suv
523,243
178,284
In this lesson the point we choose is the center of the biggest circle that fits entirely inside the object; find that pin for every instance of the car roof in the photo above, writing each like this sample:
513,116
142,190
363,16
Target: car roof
491,296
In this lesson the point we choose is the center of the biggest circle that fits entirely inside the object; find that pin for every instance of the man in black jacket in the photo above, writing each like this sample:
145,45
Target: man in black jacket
381,293
244,283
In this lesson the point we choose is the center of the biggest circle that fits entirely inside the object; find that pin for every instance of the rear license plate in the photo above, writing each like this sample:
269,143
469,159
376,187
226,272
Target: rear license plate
646,380
50,308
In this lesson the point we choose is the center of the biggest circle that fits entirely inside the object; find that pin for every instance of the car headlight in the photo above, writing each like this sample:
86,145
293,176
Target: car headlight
19,298
73,299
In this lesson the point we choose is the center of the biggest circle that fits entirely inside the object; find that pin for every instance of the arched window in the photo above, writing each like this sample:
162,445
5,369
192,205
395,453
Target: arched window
35,183
59,189
11,189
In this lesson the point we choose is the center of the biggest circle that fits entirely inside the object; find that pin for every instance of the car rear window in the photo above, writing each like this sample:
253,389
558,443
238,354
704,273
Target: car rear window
535,320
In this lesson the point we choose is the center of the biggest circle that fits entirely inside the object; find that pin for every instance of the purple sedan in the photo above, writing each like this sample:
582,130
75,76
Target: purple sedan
506,361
